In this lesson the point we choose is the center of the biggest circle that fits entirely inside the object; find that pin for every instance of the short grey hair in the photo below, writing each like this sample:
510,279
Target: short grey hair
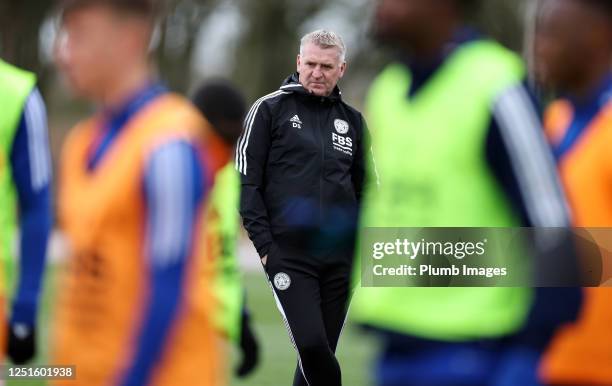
324,39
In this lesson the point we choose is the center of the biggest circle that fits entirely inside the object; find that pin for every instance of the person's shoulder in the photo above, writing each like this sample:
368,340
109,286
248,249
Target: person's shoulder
354,115
491,66
16,78
84,127
271,103
274,98
174,105
171,114
80,136
351,110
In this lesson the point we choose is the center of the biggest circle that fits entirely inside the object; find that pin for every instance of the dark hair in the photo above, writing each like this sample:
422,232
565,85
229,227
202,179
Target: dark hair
142,8
600,5
224,106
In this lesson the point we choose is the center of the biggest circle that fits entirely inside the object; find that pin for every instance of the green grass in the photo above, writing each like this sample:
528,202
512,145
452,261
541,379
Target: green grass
278,359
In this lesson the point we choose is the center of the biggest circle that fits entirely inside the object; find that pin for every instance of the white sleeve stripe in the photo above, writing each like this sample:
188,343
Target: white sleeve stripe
374,166
531,160
555,202
42,141
172,200
250,128
162,222
241,157
158,233
243,143
242,139
292,85
36,127
519,168
170,205
38,142
537,178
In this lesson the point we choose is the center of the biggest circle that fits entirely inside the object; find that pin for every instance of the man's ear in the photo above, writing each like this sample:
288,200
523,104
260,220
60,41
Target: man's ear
298,62
342,69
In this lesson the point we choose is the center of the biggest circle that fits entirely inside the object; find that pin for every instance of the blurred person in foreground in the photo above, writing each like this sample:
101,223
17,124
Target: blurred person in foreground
25,206
574,61
223,105
302,158
133,309
458,144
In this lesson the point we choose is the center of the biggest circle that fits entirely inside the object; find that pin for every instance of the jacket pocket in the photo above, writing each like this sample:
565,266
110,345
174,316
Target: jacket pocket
272,255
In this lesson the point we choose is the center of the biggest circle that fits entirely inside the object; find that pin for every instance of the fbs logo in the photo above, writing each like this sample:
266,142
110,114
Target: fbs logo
282,281
295,121
342,144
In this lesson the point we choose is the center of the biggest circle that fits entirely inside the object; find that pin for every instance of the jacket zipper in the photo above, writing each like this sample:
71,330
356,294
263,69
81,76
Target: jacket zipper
321,137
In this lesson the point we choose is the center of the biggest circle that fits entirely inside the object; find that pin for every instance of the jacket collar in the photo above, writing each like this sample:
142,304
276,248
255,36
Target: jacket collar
292,84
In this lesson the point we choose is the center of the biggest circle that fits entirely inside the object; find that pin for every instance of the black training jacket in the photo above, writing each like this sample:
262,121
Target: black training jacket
302,163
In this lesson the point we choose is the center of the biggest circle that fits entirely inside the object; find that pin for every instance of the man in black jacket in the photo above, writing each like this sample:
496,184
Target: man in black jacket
301,158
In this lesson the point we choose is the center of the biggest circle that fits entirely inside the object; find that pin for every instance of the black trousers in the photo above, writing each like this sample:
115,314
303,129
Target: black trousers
312,292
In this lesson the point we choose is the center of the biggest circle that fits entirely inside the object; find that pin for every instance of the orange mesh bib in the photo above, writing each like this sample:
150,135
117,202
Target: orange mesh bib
581,353
103,295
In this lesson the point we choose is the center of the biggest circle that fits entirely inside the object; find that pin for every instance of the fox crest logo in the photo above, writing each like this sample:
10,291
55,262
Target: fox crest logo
342,126
282,281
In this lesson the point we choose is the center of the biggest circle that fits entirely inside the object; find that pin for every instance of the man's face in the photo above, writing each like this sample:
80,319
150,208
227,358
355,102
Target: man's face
90,49
320,69
568,35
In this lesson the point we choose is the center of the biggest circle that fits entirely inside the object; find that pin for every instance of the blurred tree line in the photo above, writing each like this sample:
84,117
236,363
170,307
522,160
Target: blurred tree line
265,48
20,22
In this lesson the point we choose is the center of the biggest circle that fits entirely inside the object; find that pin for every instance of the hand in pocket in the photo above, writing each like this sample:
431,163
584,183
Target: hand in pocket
270,255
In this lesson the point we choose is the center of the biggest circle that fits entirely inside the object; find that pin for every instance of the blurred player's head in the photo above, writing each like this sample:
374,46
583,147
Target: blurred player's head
224,107
416,25
103,42
573,43
321,62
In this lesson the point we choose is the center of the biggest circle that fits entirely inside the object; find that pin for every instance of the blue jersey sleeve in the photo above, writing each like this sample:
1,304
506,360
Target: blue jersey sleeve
174,188
522,161
31,165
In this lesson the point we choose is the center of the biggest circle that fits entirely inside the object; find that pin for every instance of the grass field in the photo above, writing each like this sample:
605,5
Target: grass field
278,359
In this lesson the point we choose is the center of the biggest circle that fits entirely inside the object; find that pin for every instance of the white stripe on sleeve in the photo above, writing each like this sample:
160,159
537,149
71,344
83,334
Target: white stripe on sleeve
531,158
38,141
171,201
243,142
